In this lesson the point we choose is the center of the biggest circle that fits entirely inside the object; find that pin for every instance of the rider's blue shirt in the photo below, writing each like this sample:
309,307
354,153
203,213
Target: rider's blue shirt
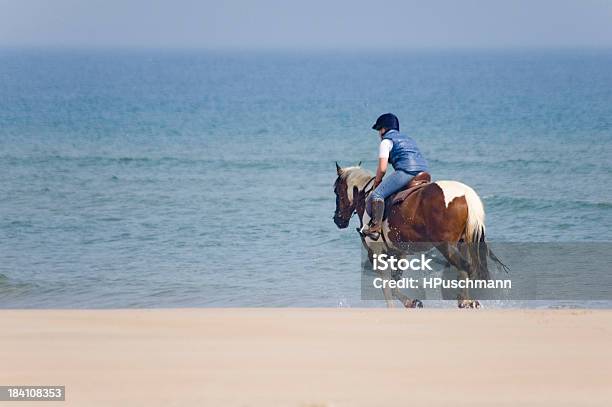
405,155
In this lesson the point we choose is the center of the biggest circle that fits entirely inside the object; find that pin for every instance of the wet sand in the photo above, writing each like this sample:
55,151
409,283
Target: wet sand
311,357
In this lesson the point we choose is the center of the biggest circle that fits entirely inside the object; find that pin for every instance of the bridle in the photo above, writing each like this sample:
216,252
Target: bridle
366,190
365,195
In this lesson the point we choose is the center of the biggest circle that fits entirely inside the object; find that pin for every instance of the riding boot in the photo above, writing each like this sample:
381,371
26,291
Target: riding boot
375,226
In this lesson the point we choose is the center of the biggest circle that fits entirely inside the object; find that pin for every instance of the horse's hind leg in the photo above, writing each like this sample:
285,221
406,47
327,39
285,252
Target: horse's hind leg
456,258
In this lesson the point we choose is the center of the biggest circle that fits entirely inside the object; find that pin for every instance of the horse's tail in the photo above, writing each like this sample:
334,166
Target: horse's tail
478,249
478,252
475,235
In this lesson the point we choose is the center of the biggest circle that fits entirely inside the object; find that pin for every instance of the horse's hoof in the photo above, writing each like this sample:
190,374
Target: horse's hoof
473,304
413,304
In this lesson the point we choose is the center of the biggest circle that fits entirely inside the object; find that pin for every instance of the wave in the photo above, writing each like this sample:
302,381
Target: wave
538,203
93,159
494,162
541,165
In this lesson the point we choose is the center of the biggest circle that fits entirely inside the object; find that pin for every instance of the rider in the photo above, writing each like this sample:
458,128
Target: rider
404,155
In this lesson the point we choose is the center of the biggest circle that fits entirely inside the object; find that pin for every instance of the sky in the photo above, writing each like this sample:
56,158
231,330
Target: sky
306,24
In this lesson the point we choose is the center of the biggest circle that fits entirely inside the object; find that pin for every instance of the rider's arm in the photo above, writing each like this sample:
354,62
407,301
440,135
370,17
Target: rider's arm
380,171
383,160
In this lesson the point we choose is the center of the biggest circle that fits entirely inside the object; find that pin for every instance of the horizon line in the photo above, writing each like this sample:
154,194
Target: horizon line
344,49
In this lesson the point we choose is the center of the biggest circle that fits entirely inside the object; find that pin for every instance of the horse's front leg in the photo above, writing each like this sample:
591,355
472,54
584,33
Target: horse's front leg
378,250
387,292
405,300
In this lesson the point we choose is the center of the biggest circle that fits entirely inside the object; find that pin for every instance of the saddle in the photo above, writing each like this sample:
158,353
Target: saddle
416,183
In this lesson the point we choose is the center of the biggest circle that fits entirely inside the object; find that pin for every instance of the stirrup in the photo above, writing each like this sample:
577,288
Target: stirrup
374,235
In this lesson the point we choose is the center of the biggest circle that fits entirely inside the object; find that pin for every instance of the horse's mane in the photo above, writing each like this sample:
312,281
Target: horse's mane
355,177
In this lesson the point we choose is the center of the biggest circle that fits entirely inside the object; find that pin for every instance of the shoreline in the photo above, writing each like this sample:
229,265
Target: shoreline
311,356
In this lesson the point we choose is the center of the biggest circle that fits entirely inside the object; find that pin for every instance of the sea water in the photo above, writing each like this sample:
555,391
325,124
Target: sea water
141,178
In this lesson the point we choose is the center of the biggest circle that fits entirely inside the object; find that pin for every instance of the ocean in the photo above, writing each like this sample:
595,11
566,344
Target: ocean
167,178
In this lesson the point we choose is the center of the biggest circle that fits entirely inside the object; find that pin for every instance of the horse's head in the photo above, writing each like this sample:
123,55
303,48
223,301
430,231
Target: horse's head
345,203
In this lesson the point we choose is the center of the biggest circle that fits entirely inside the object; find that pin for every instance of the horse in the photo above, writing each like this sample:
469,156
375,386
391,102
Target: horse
447,215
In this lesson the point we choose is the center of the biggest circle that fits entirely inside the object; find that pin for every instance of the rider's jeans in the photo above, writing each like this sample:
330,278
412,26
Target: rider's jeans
389,185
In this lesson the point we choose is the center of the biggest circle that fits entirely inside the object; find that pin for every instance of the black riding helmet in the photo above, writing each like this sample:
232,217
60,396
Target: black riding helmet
388,121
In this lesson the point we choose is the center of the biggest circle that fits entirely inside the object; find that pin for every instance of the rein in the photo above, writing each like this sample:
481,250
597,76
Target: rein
366,185
365,194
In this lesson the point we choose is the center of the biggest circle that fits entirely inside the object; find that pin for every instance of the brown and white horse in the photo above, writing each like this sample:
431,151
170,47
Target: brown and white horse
447,215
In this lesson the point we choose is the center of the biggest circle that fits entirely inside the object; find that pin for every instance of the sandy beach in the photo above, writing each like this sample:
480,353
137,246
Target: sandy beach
311,357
